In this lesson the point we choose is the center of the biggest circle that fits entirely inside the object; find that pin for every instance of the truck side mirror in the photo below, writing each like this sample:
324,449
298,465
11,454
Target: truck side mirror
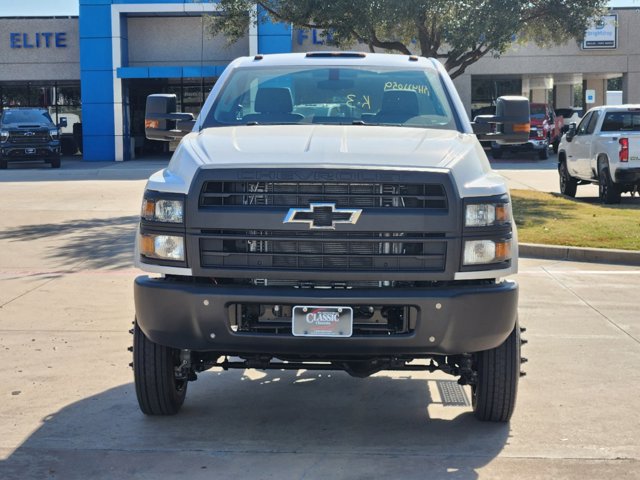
571,132
511,119
62,122
162,122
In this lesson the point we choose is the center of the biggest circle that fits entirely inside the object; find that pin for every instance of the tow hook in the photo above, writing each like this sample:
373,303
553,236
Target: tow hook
184,371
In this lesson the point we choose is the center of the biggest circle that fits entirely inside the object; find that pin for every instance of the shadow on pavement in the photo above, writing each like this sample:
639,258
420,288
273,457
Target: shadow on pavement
99,243
266,425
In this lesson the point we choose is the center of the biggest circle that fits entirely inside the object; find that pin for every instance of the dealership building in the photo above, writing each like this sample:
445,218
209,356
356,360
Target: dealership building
97,69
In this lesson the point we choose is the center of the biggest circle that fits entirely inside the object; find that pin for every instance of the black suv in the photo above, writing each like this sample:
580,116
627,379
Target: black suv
28,134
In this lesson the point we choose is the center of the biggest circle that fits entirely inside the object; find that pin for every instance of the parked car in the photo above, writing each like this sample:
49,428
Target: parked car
569,115
603,149
538,143
544,118
28,134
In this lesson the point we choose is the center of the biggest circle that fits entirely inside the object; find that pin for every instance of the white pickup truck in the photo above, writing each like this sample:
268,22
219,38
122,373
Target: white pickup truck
604,149
329,211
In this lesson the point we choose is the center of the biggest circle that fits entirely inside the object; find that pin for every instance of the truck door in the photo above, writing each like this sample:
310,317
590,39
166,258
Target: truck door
583,145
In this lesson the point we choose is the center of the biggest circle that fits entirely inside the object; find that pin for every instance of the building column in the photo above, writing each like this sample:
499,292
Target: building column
600,87
631,87
274,37
564,96
96,81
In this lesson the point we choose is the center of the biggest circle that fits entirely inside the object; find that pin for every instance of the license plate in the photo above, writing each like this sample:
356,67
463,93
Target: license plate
29,151
314,321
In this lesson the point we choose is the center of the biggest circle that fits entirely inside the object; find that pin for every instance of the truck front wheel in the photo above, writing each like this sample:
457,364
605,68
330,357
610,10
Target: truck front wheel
568,184
494,394
157,389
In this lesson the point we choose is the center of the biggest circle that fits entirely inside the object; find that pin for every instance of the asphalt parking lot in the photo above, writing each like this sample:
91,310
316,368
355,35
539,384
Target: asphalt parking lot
69,410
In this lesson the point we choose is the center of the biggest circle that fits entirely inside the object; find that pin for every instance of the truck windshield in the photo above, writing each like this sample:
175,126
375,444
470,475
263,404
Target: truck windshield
25,116
621,122
332,95
538,112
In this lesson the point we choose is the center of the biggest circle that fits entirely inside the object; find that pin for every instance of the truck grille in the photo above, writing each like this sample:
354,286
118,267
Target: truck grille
286,250
300,194
29,137
241,227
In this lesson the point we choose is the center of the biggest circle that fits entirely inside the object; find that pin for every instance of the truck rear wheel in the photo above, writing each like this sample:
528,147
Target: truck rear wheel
608,191
157,389
494,394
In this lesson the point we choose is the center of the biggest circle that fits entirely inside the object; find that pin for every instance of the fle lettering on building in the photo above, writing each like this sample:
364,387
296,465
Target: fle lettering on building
38,40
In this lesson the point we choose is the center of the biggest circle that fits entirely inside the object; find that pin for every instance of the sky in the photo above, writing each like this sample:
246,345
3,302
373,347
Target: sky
45,8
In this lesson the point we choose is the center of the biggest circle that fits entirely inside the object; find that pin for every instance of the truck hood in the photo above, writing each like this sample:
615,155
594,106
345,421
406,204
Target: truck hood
331,146
328,145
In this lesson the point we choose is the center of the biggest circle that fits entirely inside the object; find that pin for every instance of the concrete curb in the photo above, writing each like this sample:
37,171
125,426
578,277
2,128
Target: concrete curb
579,254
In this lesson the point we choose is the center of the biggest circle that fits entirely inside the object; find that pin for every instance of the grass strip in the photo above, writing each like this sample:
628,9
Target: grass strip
554,219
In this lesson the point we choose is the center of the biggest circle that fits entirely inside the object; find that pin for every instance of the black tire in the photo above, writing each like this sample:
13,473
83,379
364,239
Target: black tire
55,163
494,395
544,153
3,164
68,146
608,191
496,153
157,389
568,184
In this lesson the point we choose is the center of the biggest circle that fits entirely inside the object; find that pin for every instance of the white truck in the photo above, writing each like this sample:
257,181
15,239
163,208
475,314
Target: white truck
604,148
329,211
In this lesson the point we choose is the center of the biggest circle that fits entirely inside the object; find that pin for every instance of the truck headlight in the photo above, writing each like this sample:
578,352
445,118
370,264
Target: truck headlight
481,252
160,210
162,247
54,134
486,214
4,135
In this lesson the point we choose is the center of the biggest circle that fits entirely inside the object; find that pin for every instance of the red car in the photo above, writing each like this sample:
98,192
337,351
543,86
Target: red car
543,118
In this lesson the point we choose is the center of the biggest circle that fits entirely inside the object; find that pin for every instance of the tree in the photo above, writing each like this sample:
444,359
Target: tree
458,32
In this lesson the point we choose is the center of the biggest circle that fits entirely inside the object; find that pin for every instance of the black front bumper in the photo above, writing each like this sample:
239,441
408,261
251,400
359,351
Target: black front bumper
37,152
451,320
529,146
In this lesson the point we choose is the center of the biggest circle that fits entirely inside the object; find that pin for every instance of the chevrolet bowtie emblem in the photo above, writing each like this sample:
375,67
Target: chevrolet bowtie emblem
323,216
